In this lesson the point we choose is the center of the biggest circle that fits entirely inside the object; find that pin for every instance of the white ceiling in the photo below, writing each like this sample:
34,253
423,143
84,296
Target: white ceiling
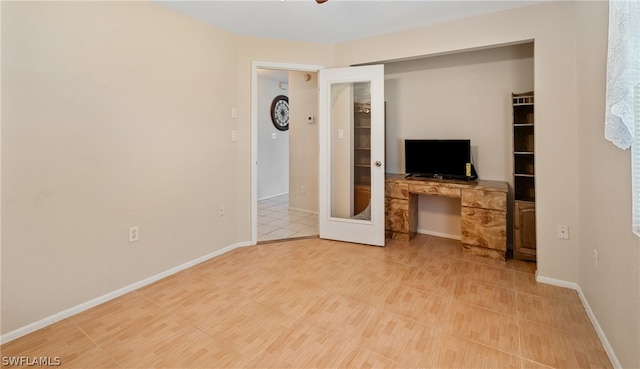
334,21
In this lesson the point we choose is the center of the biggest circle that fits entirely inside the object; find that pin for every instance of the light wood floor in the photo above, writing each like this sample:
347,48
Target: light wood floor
325,304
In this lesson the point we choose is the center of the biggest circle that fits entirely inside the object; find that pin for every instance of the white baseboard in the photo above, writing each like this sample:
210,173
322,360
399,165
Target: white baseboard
112,295
304,210
439,234
272,196
603,338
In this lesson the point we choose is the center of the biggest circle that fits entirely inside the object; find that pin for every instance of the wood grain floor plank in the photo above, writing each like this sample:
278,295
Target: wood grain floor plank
561,349
483,326
456,352
488,296
402,340
306,346
558,314
251,329
500,277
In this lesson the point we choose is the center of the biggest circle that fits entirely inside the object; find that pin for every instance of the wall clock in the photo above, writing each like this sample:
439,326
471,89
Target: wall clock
280,112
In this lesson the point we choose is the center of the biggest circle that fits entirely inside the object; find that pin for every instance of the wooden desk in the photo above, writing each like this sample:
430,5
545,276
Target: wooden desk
483,211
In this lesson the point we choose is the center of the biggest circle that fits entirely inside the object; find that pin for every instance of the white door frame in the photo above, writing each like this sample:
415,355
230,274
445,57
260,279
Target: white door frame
255,65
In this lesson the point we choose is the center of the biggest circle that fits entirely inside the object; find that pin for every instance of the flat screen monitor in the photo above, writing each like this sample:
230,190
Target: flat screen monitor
448,158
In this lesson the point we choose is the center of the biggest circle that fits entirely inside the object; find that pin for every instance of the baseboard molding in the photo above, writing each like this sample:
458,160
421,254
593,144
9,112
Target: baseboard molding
603,338
272,196
112,295
557,282
439,234
304,210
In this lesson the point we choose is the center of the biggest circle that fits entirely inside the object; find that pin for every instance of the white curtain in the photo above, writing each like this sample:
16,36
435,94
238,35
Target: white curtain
623,71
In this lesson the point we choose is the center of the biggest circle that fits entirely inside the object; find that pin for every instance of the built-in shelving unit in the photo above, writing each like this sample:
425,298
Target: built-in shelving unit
524,176
362,156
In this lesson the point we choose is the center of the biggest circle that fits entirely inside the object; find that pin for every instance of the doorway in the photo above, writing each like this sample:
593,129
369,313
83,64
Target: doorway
285,162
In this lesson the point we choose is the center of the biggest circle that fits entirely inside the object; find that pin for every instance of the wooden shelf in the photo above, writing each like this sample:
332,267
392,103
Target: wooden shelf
524,184
525,98
526,200
362,157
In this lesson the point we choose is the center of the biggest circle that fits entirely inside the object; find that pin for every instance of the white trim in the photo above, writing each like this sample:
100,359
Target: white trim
255,65
440,234
635,167
304,210
112,295
585,303
557,282
272,196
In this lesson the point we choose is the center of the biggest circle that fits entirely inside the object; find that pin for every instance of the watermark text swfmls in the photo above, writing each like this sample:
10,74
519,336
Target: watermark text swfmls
31,361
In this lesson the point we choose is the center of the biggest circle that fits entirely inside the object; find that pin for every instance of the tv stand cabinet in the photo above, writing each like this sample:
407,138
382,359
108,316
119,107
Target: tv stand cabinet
483,211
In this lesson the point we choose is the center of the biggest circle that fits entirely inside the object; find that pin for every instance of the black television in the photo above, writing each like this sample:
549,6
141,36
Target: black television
448,159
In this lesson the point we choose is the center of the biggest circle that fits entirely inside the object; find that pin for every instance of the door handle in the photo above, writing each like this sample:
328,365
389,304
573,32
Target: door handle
378,164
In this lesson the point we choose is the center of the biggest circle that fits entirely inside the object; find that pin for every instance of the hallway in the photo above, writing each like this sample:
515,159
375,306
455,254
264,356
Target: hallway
276,221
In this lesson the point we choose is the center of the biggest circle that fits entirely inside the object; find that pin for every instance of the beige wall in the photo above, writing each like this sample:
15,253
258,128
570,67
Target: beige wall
303,155
613,290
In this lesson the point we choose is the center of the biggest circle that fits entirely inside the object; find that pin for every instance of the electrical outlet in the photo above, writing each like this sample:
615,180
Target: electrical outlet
220,210
563,231
596,258
134,234
303,189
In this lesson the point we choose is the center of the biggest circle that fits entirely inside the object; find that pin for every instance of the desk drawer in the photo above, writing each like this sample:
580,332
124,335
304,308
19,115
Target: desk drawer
484,199
425,189
487,228
396,189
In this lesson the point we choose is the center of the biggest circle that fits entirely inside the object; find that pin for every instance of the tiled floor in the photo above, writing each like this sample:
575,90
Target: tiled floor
313,303
276,221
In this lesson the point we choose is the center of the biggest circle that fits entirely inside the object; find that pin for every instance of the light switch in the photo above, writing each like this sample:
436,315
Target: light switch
234,135
234,112
340,134
273,136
